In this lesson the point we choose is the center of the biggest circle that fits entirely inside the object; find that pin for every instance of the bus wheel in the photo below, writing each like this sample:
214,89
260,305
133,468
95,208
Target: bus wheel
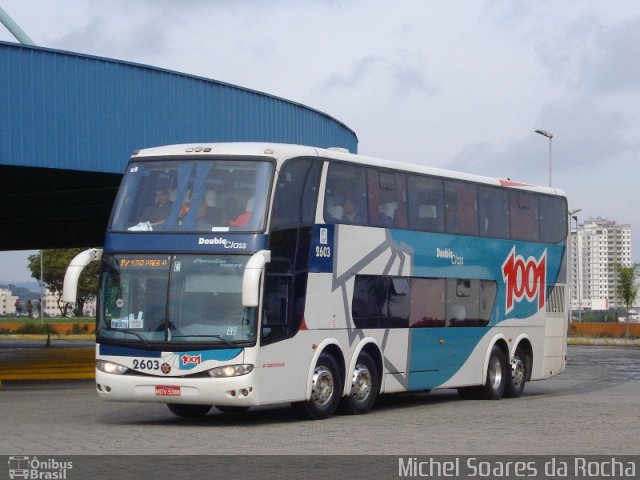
326,389
517,379
188,411
230,410
497,375
365,386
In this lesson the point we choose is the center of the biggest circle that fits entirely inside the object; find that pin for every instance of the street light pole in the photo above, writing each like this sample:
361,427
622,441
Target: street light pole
550,137
574,215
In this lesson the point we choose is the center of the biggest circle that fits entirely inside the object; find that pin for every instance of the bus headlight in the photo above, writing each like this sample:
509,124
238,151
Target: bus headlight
231,370
110,367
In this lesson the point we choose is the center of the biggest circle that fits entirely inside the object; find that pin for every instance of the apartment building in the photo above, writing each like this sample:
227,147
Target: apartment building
596,247
51,309
7,302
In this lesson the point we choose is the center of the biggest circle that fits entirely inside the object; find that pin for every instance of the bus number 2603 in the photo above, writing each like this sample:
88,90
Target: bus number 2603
144,364
324,252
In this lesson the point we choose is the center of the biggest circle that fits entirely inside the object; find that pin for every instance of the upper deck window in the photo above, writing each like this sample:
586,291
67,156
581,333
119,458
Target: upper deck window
346,195
524,216
381,197
296,193
461,207
493,212
193,196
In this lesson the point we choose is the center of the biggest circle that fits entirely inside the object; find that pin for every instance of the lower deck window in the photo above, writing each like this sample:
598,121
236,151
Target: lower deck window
381,301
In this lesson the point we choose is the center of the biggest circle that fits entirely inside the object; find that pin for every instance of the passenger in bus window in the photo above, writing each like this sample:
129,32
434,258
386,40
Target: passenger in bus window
387,214
350,212
243,218
210,213
333,210
156,214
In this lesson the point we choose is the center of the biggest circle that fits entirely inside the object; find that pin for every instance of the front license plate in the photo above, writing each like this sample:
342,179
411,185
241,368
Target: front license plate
164,391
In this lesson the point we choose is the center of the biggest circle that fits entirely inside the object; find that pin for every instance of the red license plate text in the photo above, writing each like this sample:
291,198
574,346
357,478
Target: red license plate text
165,391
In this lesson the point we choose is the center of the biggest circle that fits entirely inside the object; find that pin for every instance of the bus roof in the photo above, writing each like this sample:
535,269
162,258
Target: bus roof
282,151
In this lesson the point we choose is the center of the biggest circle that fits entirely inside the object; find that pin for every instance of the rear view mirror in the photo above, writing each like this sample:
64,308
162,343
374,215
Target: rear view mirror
252,276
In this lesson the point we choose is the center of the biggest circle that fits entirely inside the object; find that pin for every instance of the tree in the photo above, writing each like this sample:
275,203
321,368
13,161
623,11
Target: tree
627,288
55,265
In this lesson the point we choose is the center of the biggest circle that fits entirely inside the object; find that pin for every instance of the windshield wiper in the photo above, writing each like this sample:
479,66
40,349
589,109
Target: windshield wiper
219,337
144,340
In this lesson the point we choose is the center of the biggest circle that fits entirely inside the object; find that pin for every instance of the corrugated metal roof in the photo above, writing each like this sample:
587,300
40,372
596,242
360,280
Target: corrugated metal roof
70,111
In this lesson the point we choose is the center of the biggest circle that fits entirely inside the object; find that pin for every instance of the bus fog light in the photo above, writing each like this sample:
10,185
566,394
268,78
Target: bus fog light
231,370
110,367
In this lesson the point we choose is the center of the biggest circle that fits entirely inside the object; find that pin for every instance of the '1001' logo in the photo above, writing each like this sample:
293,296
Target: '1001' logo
524,279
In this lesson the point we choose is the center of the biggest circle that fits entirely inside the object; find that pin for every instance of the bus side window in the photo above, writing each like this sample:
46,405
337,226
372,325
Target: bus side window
296,193
461,208
427,302
524,216
553,219
493,212
387,193
425,204
380,301
469,302
275,308
346,195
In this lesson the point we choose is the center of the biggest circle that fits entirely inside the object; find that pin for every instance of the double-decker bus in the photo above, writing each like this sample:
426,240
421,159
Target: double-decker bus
244,274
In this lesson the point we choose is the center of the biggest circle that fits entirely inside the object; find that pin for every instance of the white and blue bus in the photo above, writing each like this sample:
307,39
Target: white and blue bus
244,274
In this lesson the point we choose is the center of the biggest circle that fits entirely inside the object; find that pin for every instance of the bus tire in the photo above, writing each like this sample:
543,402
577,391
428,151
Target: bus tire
518,375
497,374
189,411
326,390
365,386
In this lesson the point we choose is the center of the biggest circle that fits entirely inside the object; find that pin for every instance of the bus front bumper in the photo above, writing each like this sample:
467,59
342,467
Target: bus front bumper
232,391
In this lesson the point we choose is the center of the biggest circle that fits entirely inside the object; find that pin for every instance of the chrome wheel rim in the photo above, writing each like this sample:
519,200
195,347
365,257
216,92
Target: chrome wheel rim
495,373
517,372
322,386
361,384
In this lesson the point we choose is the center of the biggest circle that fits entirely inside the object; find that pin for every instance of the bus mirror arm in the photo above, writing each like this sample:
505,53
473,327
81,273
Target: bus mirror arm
251,278
71,276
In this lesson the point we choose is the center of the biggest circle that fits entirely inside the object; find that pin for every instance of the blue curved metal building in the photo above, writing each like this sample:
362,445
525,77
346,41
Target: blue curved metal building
68,123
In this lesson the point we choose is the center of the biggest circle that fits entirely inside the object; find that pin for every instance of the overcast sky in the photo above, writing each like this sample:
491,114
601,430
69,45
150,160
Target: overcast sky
454,84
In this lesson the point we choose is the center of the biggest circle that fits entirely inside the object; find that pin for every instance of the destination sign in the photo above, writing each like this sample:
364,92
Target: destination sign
144,262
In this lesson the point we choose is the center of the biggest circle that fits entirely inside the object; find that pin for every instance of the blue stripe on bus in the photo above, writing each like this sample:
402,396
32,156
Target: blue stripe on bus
117,351
195,243
204,355
436,354
192,359
450,256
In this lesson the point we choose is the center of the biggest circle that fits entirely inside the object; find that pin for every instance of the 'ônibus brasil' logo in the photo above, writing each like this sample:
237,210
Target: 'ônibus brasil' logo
524,279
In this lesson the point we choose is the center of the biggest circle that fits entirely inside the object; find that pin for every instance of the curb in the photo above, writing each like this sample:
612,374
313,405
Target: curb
69,363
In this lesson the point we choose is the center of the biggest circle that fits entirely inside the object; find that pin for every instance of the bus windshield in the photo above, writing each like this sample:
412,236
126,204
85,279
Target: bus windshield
193,195
174,299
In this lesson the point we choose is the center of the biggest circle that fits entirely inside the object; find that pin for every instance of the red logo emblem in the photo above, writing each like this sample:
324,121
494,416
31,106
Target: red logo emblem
524,279
191,359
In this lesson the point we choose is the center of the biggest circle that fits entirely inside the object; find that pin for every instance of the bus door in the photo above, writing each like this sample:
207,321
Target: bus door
279,360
